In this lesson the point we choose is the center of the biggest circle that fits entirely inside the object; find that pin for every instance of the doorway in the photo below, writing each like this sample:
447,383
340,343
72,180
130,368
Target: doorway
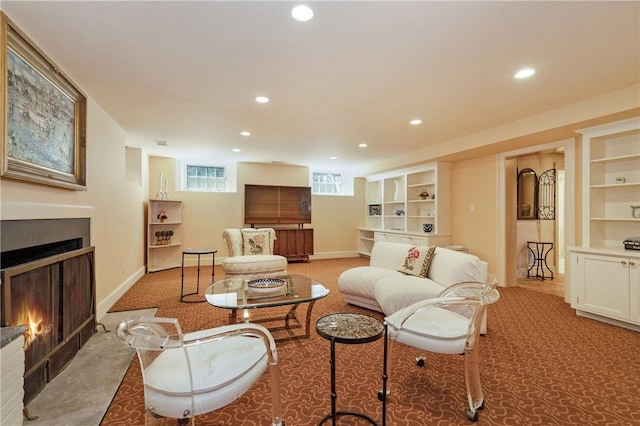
515,258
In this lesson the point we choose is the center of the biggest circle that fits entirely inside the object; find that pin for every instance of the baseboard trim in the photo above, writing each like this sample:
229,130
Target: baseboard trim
334,255
316,256
610,321
103,307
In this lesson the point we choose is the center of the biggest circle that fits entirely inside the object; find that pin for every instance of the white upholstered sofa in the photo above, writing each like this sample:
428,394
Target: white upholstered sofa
251,253
381,287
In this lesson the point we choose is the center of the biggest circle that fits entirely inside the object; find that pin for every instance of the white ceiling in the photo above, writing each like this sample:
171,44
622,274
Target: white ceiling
188,72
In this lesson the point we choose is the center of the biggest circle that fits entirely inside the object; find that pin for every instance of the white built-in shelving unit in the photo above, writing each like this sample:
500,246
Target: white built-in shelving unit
605,278
164,252
396,211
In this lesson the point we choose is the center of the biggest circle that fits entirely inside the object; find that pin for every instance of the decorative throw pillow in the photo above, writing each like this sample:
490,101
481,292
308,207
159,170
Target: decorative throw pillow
255,241
417,261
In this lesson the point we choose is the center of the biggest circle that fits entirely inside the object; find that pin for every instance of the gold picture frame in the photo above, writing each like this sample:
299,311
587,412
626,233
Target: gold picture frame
44,115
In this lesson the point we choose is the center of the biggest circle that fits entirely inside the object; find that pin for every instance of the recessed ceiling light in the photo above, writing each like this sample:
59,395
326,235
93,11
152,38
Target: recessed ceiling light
245,133
362,145
415,122
235,150
333,158
524,73
262,99
302,13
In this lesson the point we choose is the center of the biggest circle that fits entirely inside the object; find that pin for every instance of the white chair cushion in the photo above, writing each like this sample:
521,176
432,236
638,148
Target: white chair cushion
395,293
466,267
362,280
433,329
222,370
255,264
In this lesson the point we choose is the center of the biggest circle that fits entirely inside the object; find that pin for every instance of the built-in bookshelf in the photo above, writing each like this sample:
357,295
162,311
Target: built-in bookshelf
408,204
164,235
605,277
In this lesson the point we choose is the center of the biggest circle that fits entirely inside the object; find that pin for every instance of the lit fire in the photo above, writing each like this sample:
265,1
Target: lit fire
34,321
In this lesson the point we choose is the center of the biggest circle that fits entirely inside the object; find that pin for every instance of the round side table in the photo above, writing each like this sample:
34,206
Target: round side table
352,329
198,253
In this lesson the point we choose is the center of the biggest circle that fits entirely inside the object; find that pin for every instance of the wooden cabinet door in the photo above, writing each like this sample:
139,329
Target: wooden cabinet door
294,244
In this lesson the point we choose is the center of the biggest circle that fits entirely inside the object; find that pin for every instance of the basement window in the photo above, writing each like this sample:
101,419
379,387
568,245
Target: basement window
203,177
326,183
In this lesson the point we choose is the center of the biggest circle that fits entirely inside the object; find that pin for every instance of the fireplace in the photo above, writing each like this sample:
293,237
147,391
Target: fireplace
48,284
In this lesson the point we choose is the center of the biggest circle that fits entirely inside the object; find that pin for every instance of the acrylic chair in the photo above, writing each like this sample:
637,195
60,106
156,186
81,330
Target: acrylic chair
186,375
449,324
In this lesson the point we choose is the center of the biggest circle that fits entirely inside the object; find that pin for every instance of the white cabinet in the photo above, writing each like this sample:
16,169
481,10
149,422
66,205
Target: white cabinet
367,238
164,234
415,239
607,285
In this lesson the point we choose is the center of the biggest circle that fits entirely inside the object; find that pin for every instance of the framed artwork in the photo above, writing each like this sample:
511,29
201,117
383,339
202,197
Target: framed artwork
44,116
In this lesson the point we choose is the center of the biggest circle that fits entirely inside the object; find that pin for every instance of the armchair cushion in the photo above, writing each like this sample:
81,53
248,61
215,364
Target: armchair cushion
259,265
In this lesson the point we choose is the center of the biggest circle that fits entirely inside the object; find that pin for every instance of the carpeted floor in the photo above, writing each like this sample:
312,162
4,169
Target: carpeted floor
540,364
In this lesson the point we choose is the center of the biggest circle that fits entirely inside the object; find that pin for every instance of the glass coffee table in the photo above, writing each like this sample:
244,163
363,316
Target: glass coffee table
254,293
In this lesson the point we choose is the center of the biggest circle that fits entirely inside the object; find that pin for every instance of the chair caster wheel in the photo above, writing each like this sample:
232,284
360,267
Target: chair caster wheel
472,415
380,394
420,361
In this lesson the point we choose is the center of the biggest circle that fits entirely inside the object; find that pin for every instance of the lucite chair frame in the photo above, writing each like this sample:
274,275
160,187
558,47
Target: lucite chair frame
466,299
154,337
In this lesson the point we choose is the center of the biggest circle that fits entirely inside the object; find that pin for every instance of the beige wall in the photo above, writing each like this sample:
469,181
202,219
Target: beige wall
207,214
473,187
112,201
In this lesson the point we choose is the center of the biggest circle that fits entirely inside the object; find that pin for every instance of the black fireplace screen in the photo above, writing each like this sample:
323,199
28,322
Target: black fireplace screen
55,298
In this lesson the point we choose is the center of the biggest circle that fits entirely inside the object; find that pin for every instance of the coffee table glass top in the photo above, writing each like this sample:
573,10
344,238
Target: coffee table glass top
243,293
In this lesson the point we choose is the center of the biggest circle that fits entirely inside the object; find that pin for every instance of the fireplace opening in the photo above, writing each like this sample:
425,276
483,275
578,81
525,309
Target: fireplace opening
48,285
29,254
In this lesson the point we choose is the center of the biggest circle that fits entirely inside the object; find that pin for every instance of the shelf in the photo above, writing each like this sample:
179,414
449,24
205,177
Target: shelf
616,159
413,185
615,219
164,245
616,185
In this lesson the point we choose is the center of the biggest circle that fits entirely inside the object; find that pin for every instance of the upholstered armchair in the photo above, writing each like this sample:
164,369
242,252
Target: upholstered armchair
186,375
449,324
251,253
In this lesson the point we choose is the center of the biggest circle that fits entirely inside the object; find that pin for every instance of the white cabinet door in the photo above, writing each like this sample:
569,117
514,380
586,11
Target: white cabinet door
603,285
634,289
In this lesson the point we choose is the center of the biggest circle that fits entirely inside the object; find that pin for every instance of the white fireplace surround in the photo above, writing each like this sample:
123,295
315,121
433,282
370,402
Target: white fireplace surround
19,210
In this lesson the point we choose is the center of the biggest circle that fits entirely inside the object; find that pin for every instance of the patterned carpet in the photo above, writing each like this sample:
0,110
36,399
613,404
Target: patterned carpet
540,364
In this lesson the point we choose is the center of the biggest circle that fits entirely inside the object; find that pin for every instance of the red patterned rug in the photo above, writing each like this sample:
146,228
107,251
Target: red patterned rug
540,365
